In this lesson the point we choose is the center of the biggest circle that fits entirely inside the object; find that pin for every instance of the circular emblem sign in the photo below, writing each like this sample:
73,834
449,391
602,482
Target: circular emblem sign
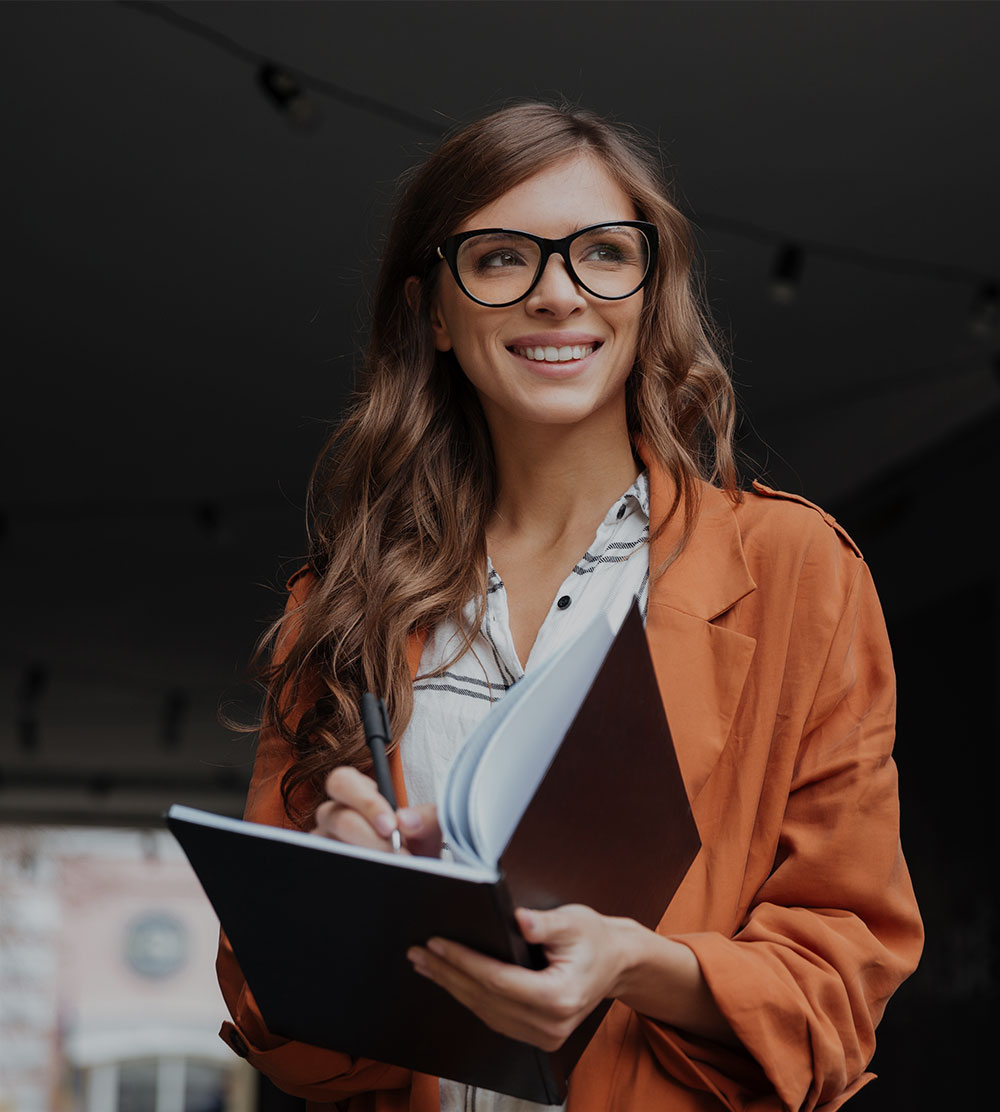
156,944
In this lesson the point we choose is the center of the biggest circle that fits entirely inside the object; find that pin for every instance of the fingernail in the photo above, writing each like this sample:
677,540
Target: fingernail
384,824
527,920
436,946
416,959
409,820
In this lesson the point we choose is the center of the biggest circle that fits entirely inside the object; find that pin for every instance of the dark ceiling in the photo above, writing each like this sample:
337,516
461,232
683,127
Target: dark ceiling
185,275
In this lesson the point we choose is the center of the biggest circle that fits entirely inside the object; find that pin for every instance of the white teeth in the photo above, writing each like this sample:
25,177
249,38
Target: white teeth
552,354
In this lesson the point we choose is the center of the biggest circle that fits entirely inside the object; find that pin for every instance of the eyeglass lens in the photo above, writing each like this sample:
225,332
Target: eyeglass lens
498,267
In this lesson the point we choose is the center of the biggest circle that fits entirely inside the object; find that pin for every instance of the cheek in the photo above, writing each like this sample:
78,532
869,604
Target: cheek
458,327
628,327
474,345
469,357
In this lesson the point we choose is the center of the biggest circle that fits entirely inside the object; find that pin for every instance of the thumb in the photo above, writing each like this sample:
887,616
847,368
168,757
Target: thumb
420,829
545,926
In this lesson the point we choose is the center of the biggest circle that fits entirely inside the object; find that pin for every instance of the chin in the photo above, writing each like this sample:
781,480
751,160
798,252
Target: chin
559,405
564,414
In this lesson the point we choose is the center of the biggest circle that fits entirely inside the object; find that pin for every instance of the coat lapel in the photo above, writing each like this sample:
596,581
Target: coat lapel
700,667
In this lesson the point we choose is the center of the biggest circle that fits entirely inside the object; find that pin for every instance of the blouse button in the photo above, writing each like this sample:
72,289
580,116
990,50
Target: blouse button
564,602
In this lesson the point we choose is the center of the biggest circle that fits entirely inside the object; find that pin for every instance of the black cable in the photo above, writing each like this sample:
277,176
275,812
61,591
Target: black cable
360,101
376,107
869,260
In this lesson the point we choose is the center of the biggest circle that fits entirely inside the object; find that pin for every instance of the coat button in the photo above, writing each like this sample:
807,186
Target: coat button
564,602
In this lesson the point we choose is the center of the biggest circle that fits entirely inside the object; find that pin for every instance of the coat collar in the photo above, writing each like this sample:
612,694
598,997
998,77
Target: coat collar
711,573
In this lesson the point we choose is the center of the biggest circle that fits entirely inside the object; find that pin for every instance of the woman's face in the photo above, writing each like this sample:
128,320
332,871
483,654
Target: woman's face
491,344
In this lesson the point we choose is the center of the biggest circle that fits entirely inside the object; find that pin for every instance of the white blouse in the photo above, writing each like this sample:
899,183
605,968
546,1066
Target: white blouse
447,708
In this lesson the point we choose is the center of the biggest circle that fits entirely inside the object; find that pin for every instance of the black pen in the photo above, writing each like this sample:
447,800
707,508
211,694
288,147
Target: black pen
375,721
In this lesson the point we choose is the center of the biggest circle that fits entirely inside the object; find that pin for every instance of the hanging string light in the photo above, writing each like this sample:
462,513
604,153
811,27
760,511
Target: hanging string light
285,93
34,683
329,89
786,273
175,710
985,309
208,517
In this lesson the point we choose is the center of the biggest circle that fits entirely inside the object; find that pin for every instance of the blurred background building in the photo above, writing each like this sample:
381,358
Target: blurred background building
107,949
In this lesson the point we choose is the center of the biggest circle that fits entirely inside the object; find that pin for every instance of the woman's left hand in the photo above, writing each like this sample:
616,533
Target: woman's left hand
587,956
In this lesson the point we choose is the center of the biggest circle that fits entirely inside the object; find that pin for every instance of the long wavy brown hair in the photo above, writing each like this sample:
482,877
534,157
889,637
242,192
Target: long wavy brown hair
402,491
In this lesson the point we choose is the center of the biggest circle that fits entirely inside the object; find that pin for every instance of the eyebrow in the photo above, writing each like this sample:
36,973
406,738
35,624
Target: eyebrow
609,226
490,237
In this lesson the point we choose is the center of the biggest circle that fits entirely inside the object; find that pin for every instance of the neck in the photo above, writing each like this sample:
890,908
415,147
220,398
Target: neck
554,480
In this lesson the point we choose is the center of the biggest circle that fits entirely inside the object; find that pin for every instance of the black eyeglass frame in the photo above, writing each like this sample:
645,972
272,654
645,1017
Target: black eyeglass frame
448,252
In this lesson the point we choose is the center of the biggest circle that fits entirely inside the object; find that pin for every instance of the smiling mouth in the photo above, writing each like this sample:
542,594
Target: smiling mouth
551,354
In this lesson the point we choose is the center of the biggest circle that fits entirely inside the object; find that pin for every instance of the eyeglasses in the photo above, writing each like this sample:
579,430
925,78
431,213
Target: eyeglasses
499,266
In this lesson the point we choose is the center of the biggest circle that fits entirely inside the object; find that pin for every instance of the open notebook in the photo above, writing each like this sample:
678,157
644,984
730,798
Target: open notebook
568,792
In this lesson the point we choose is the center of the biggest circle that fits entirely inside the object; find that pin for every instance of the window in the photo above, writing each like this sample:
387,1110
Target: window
165,1085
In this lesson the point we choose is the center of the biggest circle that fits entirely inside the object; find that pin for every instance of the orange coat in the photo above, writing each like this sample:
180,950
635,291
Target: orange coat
776,675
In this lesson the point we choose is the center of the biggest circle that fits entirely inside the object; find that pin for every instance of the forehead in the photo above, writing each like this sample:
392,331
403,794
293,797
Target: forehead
570,194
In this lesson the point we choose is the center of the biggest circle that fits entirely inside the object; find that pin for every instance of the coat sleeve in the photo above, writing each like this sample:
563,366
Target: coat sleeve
834,929
310,1072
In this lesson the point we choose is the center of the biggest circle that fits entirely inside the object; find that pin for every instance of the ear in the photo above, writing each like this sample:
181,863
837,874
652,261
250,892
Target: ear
442,337
411,287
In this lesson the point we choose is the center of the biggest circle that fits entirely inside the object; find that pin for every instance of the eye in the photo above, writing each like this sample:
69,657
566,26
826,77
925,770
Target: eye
605,253
496,260
611,248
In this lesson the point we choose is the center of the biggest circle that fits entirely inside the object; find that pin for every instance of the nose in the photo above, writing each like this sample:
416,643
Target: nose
556,294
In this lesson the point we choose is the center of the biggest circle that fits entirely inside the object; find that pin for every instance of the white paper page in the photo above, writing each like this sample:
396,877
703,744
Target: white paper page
521,749
453,808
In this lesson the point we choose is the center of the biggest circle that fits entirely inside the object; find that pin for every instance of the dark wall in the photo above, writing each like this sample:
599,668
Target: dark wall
938,1038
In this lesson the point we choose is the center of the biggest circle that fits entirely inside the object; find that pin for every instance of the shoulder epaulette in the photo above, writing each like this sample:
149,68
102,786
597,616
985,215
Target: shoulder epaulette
770,492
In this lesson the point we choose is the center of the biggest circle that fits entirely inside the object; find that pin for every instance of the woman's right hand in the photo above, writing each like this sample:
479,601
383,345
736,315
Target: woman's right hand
357,813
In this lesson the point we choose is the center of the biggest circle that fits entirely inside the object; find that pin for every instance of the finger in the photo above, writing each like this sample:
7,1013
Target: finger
348,786
479,974
344,824
519,1017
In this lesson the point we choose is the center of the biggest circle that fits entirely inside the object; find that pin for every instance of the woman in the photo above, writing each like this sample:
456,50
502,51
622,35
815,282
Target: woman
544,429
